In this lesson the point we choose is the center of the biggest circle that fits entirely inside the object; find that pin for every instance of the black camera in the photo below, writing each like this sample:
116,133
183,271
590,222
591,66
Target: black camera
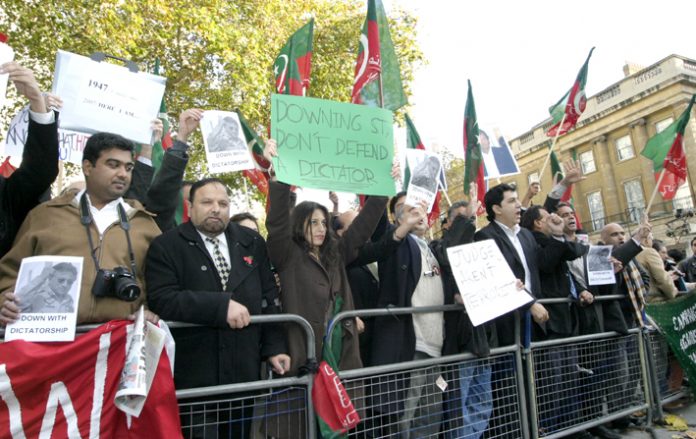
119,283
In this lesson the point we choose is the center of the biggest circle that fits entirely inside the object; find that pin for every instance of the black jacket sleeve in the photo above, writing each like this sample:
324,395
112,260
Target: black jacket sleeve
162,197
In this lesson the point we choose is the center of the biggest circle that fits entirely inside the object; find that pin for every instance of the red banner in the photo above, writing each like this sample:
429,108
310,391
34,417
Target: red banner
67,390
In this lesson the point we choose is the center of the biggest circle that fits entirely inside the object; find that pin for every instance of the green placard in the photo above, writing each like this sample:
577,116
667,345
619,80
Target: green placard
677,322
332,145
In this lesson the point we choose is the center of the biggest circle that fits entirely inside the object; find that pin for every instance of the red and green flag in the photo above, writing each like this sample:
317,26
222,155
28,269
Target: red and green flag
666,150
256,176
293,64
377,75
566,112
332,405
473,160
413,141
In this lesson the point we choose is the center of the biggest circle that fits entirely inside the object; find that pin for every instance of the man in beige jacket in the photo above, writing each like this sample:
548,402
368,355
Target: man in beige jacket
90,226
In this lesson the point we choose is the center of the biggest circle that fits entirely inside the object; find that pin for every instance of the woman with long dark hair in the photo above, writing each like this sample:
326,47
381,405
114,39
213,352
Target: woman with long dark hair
310,260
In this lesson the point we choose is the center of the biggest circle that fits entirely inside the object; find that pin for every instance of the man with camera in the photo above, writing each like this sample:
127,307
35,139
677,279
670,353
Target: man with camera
112,236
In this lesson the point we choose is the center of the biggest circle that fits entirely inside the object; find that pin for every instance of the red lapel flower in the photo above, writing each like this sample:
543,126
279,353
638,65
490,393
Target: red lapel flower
248,259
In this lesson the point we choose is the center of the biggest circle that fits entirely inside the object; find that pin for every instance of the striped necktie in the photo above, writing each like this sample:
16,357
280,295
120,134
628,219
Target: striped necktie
223,268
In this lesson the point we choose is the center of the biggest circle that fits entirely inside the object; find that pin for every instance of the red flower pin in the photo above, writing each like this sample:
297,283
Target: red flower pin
248,259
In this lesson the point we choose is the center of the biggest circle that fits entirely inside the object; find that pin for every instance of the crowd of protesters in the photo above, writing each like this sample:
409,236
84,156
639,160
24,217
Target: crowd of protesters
216,271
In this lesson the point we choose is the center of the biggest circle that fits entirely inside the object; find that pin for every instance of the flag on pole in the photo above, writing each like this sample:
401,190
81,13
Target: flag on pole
256,176
293,65
666,150
473,160
569,108
377,76
413,141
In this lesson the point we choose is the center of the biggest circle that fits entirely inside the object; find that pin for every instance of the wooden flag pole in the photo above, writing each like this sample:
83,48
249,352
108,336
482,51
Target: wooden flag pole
654,193
444,192
553,145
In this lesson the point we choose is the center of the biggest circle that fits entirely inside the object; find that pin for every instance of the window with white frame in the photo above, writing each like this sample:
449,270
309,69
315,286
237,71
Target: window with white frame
664,123
635,199
587,162
624,148
596,207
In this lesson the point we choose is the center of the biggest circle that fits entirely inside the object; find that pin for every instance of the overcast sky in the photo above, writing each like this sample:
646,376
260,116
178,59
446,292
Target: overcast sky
522,56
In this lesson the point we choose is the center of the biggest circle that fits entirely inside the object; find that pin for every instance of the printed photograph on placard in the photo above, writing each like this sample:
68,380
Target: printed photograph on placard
47,293
425,168
600,270
225,145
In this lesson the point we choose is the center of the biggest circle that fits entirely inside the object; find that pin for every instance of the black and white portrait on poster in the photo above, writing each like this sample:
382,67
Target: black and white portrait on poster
600,270
225,145
47,293
425,169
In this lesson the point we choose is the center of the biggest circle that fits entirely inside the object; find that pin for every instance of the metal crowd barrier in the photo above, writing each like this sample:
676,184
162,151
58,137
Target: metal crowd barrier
566,386
456,396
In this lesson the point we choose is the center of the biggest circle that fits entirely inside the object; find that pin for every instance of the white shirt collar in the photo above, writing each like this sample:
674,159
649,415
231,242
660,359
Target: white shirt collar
510,231
105,216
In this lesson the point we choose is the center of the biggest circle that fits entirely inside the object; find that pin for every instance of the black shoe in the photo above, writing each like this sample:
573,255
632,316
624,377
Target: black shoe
604,432
581,435
621,423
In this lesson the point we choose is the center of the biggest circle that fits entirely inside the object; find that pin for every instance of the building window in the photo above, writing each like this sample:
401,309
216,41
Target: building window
634,199
533,177
624,148
682,199
594,202
661,125
587,162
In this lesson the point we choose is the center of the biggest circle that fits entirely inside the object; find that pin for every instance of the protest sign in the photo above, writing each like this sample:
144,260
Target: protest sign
6,55
600,270
485,281
99,96
225,144
498,159
425,169
48,291
676,320
71,144
68,389
332,145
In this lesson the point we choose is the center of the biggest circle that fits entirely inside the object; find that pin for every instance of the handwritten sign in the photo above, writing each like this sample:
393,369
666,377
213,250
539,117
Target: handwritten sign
332,145
600,270
71,144
425,170
99,96
48,292
225,144
485,281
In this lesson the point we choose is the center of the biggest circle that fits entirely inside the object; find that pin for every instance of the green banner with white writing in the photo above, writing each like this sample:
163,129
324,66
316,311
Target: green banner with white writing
676,320
332,145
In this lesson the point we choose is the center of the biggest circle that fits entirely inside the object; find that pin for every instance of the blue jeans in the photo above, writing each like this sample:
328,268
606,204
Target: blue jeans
476,401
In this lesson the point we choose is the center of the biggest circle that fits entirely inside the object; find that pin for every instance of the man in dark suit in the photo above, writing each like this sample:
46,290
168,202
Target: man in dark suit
216,274
20,192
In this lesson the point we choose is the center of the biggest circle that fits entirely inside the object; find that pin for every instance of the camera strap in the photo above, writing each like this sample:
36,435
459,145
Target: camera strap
86,220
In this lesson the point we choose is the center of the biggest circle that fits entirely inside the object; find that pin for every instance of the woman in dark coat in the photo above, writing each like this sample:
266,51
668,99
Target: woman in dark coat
310,261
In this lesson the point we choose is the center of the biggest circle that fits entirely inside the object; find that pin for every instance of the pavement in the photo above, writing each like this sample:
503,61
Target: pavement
687,412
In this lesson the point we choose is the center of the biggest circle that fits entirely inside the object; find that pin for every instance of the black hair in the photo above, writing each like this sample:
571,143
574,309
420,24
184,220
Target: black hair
562,204
102,142
495,196
206,181
456,205
392,202
300,224
676,254
658,244
65,267
530,215
693,240
239,217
